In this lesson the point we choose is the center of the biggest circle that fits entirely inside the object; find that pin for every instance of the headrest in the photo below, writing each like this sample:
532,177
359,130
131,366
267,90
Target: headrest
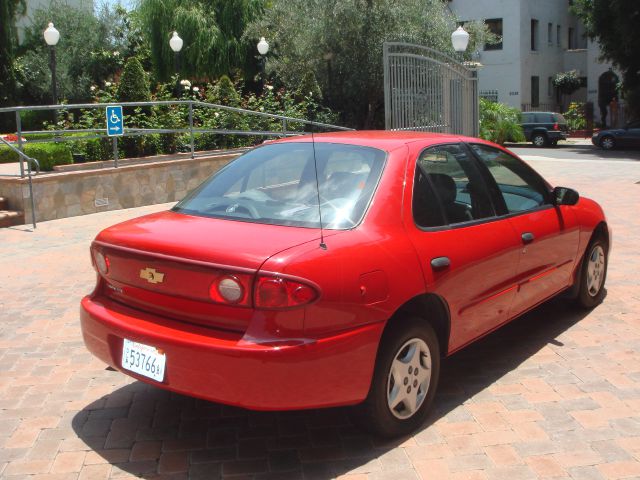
445,187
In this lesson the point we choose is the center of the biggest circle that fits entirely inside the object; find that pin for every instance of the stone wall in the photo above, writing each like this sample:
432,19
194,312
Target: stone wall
68,194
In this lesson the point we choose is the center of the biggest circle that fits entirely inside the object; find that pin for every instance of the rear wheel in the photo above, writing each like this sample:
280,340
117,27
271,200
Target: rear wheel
539,140
607,142
593,274
405,379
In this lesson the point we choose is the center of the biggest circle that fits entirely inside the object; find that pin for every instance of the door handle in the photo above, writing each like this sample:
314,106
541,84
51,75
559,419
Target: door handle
528,237
440,263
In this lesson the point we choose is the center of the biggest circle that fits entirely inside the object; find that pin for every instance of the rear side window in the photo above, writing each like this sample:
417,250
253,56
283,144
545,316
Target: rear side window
448,188
519,188
544,118
276,184
527,118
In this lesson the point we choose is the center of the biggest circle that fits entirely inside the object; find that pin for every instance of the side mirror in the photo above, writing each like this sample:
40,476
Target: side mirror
565,196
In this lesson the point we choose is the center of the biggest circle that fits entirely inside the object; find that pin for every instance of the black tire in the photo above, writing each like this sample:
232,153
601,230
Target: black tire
374,413
588,296
539,140
554,143
607,142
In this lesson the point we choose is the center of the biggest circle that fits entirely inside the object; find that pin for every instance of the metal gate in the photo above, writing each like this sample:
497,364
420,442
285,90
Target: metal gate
428,91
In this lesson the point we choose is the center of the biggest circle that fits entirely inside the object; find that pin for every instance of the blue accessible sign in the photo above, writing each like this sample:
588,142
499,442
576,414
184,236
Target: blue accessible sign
115,122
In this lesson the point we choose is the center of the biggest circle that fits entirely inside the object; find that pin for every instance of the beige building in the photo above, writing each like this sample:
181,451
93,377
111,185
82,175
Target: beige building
33,5
540,38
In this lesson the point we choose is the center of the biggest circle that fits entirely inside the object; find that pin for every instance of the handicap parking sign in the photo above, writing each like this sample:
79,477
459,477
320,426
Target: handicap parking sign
115,122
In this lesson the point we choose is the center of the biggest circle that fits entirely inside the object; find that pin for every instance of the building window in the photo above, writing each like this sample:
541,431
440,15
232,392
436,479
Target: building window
558,37
550,87
535,91
571,44
495,27
549,33
534,34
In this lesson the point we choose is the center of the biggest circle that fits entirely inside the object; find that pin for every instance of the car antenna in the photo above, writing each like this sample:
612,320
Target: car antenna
315,166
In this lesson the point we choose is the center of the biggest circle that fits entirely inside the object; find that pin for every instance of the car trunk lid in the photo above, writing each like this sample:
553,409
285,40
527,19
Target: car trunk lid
165,263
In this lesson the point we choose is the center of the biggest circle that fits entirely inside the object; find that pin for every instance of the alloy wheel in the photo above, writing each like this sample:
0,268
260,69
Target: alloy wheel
409,378
595,270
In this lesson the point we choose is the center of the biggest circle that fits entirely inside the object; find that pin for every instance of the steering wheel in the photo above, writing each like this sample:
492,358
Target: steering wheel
237,205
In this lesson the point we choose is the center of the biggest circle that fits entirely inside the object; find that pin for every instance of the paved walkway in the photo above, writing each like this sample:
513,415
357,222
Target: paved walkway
554,394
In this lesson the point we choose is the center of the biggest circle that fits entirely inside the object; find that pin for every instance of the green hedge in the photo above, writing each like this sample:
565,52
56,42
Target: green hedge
47,154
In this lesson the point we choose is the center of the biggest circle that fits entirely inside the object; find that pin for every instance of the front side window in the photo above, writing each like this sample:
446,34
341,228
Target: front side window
519,187
276,184
448,188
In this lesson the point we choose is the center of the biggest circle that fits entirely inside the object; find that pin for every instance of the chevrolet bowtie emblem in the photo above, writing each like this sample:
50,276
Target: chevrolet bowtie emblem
151,275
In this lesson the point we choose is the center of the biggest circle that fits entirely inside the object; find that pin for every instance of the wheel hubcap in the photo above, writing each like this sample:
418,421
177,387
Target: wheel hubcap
538,141
595,270
607,143
409,378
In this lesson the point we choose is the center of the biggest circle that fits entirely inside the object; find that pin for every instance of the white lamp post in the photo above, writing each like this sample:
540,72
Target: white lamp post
263,49
460,39
176,45
51,37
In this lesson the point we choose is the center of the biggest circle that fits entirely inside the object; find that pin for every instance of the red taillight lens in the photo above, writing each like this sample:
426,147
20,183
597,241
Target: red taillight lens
276,292
101,262
556,126
231,289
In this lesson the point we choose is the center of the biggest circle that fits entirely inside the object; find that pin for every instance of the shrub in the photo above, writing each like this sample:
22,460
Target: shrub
47,154
500,123
575,116
133,83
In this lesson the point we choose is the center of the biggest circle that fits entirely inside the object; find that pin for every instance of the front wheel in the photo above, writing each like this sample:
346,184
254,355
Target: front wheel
593,274
607,143
404,381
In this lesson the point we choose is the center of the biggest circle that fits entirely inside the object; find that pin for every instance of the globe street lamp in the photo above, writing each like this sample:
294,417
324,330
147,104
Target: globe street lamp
52,36
176,45
263,49
460,39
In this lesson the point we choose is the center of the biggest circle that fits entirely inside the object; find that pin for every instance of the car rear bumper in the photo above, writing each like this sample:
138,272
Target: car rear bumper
556,135
230,368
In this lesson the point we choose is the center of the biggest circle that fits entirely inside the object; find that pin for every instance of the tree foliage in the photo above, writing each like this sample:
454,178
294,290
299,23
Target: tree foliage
9,9
87,53
212,31
341,41
614,24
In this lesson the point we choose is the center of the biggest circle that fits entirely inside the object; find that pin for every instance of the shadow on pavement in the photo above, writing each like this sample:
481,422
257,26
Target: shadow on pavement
149,432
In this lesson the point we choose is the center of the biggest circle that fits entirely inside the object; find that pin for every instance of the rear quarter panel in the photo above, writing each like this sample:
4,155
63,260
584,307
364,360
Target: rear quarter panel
365,274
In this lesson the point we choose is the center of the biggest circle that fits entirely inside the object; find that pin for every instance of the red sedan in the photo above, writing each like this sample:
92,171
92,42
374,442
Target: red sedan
338,270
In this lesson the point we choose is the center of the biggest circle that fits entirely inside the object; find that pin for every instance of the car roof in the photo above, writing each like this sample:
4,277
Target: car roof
382,139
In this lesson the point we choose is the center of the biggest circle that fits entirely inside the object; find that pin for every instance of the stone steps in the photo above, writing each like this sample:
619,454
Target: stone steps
9,218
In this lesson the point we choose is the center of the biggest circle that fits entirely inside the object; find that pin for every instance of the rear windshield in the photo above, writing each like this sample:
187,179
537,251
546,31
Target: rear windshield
276,184
559,118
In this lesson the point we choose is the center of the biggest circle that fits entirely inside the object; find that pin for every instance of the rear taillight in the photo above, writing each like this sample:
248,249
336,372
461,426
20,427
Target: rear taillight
100,261
556,126
231,289
277,293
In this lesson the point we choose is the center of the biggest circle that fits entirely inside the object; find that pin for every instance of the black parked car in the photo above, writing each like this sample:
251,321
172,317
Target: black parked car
628,136
544,128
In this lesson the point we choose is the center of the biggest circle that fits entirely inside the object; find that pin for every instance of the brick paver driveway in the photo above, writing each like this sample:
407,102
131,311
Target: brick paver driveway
554,394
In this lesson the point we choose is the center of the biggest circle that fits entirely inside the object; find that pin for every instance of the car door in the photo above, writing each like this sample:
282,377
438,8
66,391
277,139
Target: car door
549,234
468,255
528,120
631,135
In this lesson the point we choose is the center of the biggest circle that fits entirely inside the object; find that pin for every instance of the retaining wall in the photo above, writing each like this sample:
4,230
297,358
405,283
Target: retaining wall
68,194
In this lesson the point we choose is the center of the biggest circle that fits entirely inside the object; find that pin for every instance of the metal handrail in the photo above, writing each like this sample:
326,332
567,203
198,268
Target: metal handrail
30,161
129,132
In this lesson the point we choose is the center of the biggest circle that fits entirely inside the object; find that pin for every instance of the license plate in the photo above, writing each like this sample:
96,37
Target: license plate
143,359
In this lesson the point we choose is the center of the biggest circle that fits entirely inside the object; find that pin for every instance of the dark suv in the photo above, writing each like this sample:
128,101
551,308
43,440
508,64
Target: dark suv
544,128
